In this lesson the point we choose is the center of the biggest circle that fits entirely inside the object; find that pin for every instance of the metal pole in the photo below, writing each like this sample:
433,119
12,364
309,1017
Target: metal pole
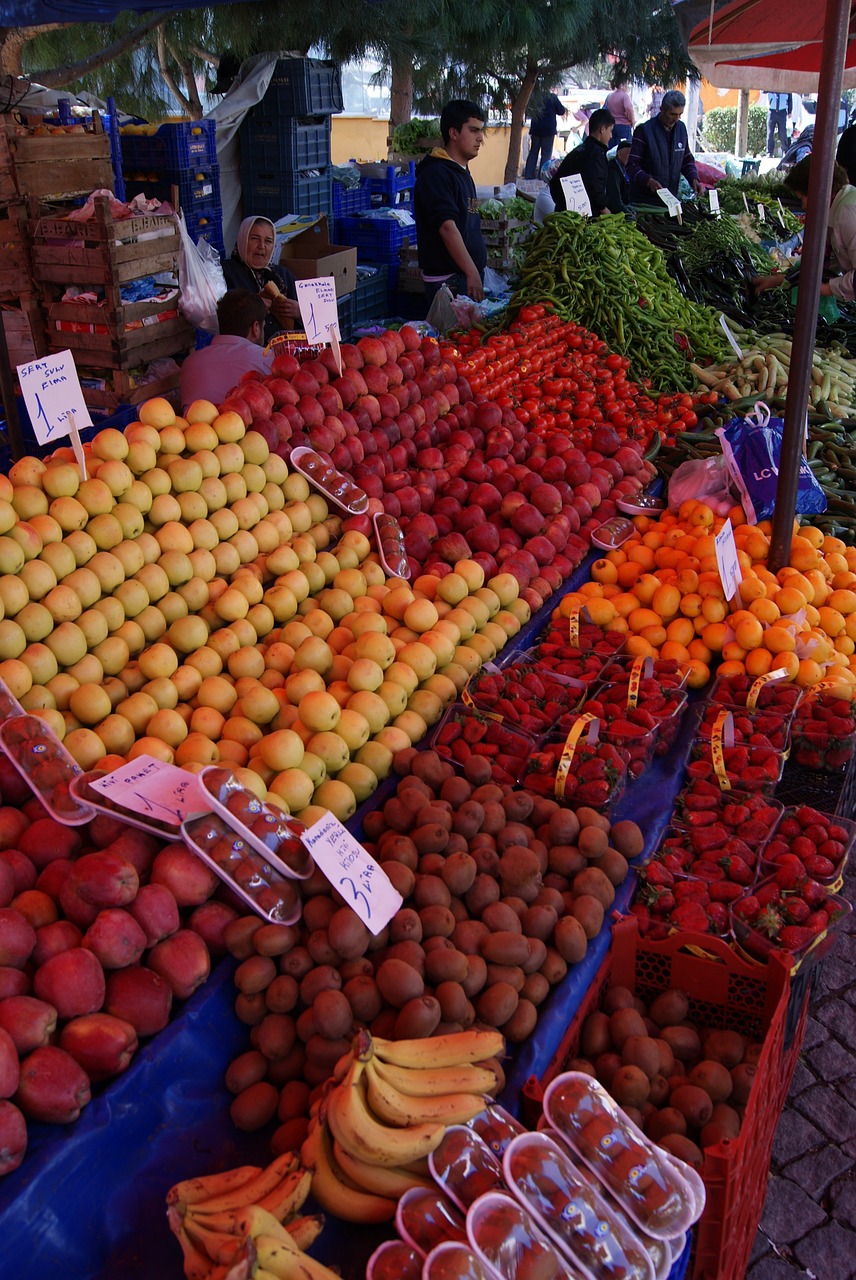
741,141
811,272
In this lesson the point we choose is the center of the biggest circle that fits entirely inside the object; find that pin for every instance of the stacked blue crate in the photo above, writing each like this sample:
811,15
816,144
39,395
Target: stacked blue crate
285,141
179,160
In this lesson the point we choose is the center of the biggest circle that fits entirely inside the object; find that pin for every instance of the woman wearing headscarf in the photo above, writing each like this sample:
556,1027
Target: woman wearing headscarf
250,268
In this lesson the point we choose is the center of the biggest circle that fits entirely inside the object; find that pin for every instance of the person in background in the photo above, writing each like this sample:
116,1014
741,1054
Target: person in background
250,268
841,227
779,107
620,106
212,372
660,151
542,133
843,111
657,95
846,153
544,203
618,179
589,161
448,228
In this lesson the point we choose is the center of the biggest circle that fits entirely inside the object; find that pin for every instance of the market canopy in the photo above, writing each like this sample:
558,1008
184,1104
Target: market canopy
34,13
771,44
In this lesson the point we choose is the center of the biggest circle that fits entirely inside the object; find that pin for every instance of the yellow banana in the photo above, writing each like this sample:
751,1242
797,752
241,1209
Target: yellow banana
379,1179
219,1246
258,1188
332,1189
365,1137
287,1262
197,1265
285,1199
404,1111
452,1050
419,1082
198,1190
306,1230
255,1221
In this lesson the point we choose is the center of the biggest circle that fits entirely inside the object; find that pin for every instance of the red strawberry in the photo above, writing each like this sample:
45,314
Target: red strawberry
768,922
820,867
798,911
655,873
691,917
718,914
738,871
748,908
795,937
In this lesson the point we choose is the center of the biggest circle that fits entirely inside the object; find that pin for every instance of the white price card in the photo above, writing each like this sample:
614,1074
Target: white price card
154,789
713,197
52,394
726,560
353,872
762,212
576,196
731,338
319,312
671,202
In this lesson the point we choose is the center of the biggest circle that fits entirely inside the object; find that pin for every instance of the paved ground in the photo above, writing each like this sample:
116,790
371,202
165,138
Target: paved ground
808,1227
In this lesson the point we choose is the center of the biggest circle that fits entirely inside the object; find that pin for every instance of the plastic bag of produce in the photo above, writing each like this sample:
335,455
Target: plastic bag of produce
200,280
705,479
752,447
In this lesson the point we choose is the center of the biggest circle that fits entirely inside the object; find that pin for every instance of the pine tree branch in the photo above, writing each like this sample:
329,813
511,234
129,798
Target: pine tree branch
166,73
194,105
206,55
56,77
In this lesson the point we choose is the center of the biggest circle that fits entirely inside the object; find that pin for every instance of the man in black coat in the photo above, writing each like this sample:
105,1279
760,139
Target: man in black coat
590,162
660,151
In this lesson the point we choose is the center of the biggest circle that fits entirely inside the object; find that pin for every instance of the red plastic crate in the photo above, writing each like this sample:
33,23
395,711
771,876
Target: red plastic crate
724,991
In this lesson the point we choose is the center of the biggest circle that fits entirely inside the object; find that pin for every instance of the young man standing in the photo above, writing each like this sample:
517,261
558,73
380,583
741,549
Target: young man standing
448,228
589,161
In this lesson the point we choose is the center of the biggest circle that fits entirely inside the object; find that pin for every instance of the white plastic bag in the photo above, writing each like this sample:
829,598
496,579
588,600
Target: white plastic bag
200,279
706,479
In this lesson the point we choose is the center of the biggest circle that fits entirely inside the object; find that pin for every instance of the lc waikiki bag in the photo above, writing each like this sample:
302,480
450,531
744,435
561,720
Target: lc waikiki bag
752,448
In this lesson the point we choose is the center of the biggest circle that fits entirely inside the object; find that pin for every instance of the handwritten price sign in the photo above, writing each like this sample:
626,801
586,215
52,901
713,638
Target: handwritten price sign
52,394
154,789
319,312
360,880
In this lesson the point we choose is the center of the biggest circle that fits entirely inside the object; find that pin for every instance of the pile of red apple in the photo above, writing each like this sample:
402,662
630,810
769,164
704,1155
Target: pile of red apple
466,478
102,927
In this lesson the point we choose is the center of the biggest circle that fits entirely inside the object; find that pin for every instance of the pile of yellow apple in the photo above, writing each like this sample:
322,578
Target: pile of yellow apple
662,589
181,602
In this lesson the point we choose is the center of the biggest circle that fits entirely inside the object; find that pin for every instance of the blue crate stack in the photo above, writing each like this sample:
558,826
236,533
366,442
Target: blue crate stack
285,141
180,157
379,241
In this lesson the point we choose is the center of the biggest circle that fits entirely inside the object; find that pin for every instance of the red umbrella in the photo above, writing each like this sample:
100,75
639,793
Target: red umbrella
744,34
794,70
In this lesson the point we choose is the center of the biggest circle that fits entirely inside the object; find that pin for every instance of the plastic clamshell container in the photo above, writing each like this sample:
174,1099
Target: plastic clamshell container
332,484
813,743
771,847
637,747
689,845
496,1127
425,1218
668,672
9,704
731,691
46,767
667,716
488,687
449,731
753,836
573,1211
395,1260
254,880
390,545
612,533
765,762
544,763
464,1166
634,1170
776,725
273,834
82,790
642,505
759,947
454,1261
507,1237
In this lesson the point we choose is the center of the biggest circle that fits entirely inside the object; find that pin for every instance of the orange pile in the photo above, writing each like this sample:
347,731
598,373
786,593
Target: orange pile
662,589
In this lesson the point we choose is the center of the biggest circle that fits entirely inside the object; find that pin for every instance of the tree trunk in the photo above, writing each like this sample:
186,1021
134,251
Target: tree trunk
518,111
401,91
57,77
12,41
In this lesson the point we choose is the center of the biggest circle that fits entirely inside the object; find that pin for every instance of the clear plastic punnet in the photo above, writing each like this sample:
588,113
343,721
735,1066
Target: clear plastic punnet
571,1208
507,1237
465,1167
633,1169
454,1261
46,766
332,484
395,1260
245,872
272,833
425,1217
496,1127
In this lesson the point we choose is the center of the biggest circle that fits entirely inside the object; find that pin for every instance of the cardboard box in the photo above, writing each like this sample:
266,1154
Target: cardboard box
309,254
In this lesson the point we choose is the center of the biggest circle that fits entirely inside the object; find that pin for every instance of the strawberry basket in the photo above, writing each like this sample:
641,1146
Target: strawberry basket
662,707
789,915
527,695
595,774
744,816
583,660
466,731
749,728
742,768
632,731
771,695
823,733
667,672
820,841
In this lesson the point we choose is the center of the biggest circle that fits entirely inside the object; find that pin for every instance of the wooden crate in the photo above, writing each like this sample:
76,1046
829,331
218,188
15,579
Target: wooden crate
102,251
129,335
8,190
15,277
122,389
24,327
57,164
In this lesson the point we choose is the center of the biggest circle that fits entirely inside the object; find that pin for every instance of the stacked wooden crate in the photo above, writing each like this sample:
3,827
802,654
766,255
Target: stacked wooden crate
19,304
112,344
500,237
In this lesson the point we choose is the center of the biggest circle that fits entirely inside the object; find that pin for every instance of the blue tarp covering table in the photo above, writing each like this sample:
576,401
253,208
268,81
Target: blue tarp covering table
89,1201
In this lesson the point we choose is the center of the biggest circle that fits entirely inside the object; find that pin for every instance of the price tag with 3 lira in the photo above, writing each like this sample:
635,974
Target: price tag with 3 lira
353,872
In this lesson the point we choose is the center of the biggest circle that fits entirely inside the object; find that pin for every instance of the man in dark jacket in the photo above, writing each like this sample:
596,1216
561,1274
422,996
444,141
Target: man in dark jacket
660,151
448,228
542,134
618,179
589,161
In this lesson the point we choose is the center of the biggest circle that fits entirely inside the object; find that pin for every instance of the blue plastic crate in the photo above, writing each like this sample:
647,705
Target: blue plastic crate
198,186
350,200
396,178
375,236
174,146
370,295
207,224
305,87
272,195
346,311
281,142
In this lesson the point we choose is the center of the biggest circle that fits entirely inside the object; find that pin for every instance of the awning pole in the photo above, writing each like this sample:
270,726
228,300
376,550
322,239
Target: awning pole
811,272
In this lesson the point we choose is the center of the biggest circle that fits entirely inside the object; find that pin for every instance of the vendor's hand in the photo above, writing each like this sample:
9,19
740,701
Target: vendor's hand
826,291
697,187
283,308
475,288
762,283
653,185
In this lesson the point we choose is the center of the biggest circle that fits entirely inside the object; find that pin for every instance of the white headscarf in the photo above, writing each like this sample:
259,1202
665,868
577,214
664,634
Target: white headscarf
244,235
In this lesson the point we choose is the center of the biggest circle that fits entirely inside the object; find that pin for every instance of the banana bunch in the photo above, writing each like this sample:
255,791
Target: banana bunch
246,1223
370,1139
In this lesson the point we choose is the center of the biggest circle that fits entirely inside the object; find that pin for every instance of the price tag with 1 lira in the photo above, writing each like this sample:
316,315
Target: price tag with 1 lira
152,788
319,312
54,399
